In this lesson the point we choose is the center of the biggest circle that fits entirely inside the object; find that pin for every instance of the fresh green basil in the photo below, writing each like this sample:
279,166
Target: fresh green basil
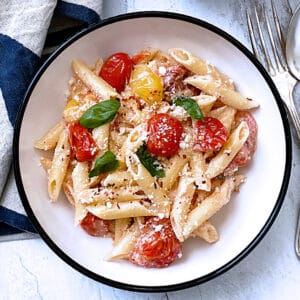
190,105
105,163
100,113
149,163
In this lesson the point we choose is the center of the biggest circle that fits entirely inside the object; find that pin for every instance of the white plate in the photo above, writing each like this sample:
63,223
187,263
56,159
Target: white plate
241,224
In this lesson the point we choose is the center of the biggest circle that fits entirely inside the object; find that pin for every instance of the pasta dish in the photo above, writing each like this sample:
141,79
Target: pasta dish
149,148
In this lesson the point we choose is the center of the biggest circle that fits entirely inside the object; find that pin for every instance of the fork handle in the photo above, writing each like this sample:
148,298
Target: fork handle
294,114
297,240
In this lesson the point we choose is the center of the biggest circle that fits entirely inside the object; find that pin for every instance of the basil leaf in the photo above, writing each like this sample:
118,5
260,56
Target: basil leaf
190,105
148,162
105,163
100,113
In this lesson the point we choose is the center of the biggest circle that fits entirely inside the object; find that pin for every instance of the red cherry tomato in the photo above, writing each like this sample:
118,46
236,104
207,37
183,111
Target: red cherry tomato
210,134
157,246
95,226
83,146
164,133
116,70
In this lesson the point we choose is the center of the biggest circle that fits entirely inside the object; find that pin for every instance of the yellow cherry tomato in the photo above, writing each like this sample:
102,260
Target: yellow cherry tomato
146,84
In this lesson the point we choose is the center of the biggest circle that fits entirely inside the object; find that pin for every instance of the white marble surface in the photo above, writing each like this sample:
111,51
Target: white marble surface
30,270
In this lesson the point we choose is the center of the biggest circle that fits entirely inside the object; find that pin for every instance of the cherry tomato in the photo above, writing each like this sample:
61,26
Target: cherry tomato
116,70
210,134
83,146
244,156
95,226
157,246
142,57
146,84
164,133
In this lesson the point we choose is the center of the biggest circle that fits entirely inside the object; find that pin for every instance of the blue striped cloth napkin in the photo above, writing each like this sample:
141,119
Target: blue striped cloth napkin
29,31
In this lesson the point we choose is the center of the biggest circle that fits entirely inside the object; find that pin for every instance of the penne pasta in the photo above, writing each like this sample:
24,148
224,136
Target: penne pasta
207,232
173,172
199,66
74,109
101,136
98,66
80,181
50,139
235,142
148,184
225,114
181,204
117,179
208,207
108,195
227,96
134,141
205,102
59,166
46,163
121,226
198,172
120,210
99,87
126,243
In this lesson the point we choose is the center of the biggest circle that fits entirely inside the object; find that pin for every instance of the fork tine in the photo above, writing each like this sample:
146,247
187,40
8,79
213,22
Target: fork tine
278,28
251,34
275,52
263,43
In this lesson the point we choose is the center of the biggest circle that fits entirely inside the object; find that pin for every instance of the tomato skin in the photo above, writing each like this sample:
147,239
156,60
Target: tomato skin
95,226
83,146
210,135
164,133
116,70
157,246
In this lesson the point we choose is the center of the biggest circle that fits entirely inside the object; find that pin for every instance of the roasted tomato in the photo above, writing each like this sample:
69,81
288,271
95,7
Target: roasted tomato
164,133
244,156
116,70
95,226
83,146
210,134
146,84
157,245
143,56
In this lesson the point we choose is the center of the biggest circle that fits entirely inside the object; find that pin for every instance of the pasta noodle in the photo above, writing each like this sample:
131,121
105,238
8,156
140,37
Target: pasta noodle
100,87
149,185
181,203
59,166
80,183
228,152
50,139
199,66
208,207
207,232
146,158
227,96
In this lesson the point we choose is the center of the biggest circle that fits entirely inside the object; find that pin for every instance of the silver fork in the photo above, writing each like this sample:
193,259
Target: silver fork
280,74
277,68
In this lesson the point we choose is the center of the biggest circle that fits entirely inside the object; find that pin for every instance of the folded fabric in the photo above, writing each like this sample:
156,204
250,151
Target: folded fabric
24,27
